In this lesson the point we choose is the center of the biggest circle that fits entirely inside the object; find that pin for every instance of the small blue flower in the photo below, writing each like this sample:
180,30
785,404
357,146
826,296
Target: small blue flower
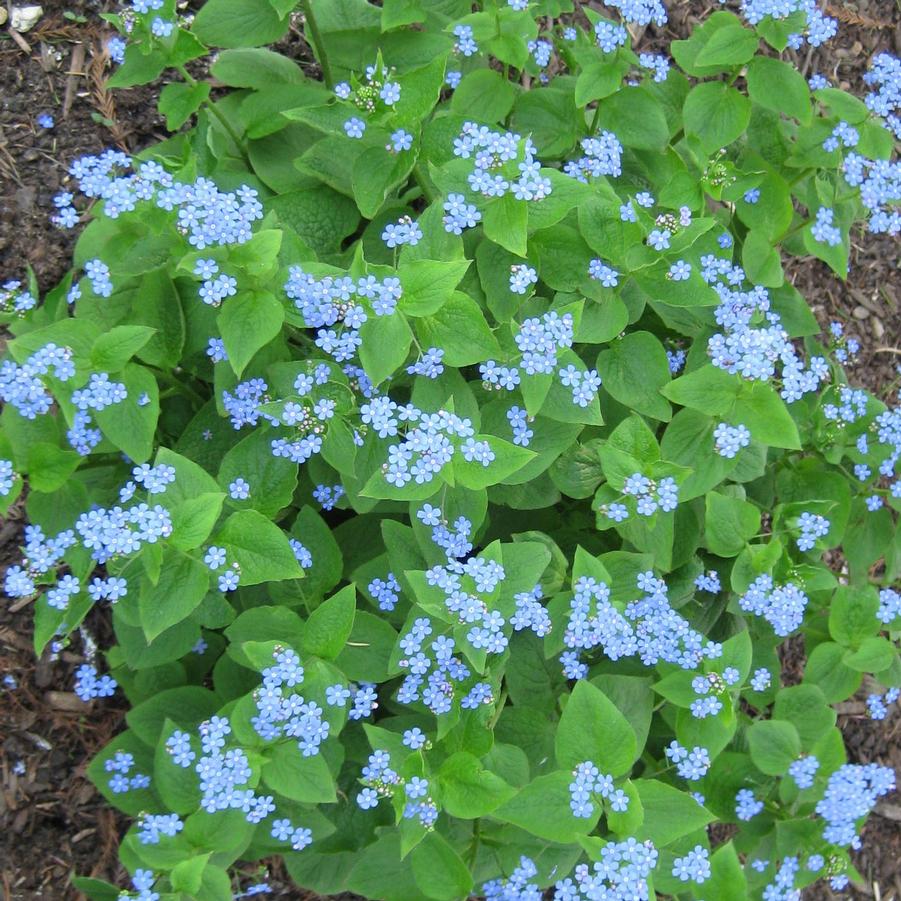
354,127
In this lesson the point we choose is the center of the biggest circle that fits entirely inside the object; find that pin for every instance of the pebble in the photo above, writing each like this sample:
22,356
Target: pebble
878,328
860,313
24,18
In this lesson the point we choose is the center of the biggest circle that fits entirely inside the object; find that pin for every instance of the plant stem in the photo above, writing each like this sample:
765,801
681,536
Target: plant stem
177,385
316,41
423,182
476,835
501,701
594,121
219,116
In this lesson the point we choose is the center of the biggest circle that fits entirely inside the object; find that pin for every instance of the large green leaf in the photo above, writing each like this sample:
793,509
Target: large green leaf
238,23
593,729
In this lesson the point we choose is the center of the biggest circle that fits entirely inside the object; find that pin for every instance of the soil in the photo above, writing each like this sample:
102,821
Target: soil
52,822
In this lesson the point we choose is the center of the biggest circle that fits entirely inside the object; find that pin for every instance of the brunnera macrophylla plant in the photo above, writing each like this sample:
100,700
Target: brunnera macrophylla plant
454,459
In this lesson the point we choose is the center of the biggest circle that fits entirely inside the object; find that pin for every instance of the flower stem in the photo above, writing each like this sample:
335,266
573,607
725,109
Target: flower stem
316,41
219,116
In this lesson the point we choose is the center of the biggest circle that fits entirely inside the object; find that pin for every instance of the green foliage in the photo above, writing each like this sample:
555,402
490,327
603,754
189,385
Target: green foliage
496,463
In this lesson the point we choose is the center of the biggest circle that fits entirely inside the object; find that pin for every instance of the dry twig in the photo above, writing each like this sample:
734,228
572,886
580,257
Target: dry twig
101,97
850,17
76,71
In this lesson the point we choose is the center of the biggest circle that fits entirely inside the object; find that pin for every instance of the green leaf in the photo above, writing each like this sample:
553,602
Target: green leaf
505,222
49,467
460,329
247,323
805,707
331,624
716,115
421,88
542,808
729,523
874,655
176,786
636,117
322,217
376,172
599,80
96,889
730,46
550,117
386,343
311,530
138,67
259,547
272,479
484,95
182,585
128,425
438,870
468,789
852,614
668,812
779,86
592,728
428,284
186,705
113,349
255,67
396,13
634,370
775,745
842,104
193,520
380,872
367,651
707,389
179,101
187,875
686,52
827,670
304,779
258,256
508,459
761,260
727,876
772,214
238,23
763,411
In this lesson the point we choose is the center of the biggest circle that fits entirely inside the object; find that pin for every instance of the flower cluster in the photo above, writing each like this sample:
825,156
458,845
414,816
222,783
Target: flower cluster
497,167
89,684
602,156
753,342
691,765
819,28
121,765
206,216
885,75
782,606
381,781
15,299
694,866
589,781
729,440
851,793
812,527
648,628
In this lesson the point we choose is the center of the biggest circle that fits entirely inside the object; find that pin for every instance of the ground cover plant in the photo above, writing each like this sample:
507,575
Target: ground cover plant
454,458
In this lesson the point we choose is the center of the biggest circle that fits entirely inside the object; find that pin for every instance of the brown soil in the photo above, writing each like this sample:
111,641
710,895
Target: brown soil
52,822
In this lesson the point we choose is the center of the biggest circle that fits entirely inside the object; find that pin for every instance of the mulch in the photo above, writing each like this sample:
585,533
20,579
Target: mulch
52,821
